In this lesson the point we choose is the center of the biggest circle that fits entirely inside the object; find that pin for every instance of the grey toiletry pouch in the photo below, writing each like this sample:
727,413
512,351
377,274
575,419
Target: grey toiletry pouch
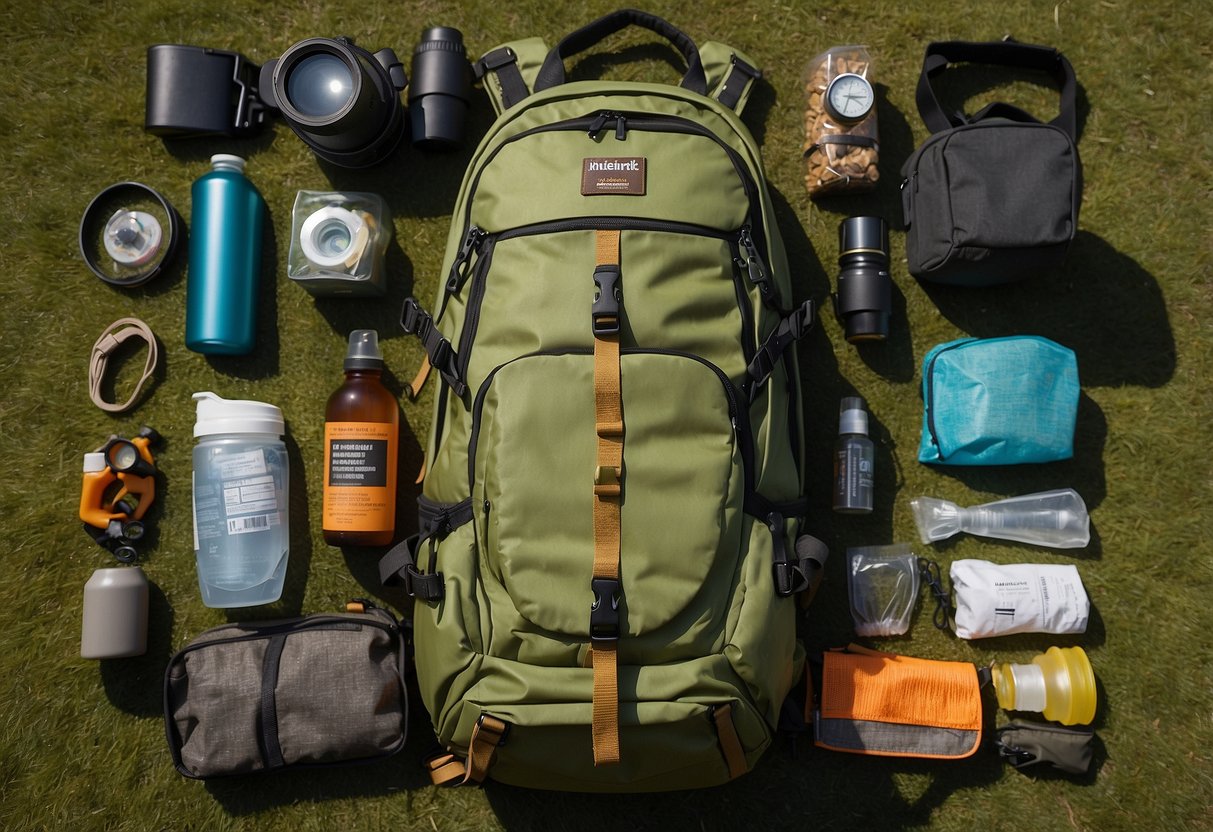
319,690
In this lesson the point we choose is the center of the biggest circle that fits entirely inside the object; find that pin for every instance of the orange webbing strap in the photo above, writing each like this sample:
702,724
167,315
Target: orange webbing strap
445,769
448,770
608,490
730,743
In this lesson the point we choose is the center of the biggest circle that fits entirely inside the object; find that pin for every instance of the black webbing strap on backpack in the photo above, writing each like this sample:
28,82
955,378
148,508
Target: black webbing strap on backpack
416,321
399,566
504,62
793,572
552,74
790,330
1004,53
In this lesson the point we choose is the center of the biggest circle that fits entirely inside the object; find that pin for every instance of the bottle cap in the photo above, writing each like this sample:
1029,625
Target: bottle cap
363,352
218,415
226,161
852,417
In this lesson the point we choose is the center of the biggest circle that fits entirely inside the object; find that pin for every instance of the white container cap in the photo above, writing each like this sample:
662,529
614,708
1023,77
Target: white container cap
94,462
226,161
218,415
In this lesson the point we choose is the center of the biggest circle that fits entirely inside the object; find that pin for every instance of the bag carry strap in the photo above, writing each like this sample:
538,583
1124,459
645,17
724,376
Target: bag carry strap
551,74
1002,53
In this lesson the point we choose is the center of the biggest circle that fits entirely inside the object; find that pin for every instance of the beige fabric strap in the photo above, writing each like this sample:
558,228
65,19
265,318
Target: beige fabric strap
448,770
445,770
413,389
486,736
608,491
730,743
107,344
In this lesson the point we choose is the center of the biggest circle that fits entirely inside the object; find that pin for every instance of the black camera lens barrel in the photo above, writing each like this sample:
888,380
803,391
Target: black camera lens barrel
364,124
441,88
865,290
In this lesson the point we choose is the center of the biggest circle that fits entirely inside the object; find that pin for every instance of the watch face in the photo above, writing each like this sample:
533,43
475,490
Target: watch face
849,97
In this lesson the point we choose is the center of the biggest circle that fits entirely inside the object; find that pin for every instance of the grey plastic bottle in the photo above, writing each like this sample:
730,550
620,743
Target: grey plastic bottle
241,478
854,459
226,218
114,623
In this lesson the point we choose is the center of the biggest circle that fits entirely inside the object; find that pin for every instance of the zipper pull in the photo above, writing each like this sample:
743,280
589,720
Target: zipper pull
459,268
621,127
598,124
755,267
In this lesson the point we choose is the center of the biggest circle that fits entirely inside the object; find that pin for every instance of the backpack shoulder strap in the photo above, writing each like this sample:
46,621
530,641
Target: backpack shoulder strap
508,71
730,74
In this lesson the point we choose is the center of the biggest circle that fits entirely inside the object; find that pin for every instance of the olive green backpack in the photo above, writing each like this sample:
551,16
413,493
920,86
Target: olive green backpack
606,557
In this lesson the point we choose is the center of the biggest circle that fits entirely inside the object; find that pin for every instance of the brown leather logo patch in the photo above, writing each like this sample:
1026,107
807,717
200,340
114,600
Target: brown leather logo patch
613,175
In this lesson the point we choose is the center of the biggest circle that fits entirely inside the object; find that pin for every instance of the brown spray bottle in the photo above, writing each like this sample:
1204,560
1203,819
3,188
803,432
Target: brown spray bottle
361,430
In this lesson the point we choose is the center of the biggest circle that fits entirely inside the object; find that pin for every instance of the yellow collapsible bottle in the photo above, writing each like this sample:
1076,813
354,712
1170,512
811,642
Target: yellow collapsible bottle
1058,683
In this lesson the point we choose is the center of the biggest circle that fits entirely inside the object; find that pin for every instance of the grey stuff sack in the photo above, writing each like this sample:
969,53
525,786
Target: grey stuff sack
320,690
993,197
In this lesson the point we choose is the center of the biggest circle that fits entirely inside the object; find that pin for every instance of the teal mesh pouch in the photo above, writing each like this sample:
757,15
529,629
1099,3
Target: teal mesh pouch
998,401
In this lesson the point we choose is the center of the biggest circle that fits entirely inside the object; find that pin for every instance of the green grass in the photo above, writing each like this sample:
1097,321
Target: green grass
81,743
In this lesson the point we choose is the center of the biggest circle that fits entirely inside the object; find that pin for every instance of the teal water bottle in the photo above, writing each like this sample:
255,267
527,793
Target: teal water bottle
225,260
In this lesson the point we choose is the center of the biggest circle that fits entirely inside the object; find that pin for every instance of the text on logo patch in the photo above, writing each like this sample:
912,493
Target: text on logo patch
613,175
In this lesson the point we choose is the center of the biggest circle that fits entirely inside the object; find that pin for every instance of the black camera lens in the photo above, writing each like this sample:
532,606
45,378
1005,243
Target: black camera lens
865,290
343,101
440,89
319,85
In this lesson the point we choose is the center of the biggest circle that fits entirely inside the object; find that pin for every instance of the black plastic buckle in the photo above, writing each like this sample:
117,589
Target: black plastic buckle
411,316
607,301
604,617
493,61
428,588
791,577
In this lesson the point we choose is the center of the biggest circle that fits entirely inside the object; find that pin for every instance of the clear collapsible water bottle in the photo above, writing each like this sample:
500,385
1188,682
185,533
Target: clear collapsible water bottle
241,475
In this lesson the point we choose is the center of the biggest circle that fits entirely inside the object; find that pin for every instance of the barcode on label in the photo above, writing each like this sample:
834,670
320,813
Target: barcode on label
243,525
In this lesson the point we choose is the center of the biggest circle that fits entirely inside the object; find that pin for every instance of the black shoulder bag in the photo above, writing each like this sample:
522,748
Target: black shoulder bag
993,197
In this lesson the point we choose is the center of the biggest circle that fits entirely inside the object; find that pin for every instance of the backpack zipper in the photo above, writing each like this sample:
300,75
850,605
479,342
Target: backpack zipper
486,244
593,125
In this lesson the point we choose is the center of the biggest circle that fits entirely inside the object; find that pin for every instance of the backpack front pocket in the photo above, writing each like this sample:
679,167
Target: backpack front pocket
534,442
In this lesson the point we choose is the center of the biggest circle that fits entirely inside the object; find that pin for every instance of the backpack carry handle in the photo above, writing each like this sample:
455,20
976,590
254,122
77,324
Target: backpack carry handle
552,74
1004,53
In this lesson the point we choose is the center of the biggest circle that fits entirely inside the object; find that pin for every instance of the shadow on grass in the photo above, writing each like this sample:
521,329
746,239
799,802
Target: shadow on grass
813,789
1102,304
134,685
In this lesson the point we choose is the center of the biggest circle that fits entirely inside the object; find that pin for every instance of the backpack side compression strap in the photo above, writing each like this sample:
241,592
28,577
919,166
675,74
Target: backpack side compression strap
608,492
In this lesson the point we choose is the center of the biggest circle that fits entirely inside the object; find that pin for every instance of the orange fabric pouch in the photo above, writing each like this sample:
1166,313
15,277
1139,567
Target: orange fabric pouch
897,706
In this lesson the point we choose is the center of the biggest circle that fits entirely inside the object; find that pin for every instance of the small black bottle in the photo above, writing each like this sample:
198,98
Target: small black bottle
854,459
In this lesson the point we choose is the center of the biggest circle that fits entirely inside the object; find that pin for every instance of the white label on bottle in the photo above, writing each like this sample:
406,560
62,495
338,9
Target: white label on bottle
253,495
248,464
256,523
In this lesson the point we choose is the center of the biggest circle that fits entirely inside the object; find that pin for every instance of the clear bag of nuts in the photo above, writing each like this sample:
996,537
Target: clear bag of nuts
840,147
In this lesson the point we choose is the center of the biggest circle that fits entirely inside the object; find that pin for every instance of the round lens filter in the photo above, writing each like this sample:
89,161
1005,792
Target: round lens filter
128,234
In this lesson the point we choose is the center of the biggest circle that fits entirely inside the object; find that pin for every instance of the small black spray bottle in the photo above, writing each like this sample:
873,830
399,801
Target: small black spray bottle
854,459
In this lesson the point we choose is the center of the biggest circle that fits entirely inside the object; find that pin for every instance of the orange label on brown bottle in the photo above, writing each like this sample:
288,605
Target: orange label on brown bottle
359,476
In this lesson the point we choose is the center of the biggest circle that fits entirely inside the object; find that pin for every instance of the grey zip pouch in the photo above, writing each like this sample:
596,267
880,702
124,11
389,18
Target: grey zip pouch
320,690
